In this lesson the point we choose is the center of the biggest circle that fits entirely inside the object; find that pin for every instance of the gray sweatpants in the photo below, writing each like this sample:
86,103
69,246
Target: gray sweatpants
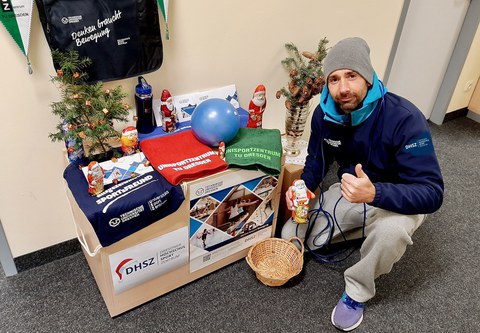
387,236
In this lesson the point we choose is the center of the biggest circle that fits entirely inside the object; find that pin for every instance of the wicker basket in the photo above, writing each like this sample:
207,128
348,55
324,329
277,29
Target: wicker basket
275,260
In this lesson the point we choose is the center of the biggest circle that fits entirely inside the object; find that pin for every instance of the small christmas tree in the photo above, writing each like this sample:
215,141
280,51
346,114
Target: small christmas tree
87,111
306,77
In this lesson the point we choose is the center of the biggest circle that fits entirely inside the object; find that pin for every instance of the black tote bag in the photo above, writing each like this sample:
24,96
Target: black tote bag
122,37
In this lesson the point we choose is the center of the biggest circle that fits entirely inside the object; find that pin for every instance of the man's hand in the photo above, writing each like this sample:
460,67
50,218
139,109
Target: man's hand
357,189
289,196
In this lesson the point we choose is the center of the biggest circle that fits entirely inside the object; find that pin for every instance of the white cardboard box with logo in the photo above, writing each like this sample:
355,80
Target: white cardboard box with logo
222,216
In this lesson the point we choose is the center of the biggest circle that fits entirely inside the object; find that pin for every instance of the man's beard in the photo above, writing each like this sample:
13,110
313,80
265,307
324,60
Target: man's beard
258,102
349,106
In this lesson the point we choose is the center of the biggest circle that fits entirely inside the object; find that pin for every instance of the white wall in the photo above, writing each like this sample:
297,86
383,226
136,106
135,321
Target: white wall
468,77
424,50
213,43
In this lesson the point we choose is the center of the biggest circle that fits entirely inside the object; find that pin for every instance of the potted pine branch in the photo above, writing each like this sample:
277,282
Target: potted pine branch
305,81
87,112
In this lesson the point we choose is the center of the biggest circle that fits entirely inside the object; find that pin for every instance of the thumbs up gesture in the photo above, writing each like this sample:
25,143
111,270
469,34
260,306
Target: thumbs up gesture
357,188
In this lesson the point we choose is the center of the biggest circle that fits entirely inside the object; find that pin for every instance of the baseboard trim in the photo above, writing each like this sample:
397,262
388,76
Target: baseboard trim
47,255
474,116
455,114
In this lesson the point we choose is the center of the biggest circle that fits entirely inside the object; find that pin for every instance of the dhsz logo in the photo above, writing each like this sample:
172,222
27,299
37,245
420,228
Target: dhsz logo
200,191
420,146
129,266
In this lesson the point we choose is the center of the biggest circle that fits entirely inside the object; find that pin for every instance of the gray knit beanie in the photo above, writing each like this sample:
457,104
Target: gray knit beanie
349,53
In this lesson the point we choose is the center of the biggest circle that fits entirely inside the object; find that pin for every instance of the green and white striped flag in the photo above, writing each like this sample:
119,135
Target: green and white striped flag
163,4
16,16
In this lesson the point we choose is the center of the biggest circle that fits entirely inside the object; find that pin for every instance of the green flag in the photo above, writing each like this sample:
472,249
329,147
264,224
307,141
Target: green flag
163,4
16,16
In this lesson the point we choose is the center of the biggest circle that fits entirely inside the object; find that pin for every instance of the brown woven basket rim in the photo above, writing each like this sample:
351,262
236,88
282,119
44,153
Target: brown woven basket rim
276,281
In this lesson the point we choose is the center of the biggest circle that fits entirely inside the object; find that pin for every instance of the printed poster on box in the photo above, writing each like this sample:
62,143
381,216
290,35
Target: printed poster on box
228,214
138,264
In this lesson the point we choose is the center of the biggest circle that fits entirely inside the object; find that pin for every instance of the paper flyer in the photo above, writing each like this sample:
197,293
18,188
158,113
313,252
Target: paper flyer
124,168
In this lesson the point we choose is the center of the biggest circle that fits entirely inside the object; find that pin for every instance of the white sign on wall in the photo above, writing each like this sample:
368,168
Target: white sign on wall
133,266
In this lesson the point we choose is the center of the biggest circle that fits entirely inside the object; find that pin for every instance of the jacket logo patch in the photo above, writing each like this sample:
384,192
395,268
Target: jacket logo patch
333,143
422,146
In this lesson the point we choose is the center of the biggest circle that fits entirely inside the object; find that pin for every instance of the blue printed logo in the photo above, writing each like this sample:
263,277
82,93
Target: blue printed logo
420,146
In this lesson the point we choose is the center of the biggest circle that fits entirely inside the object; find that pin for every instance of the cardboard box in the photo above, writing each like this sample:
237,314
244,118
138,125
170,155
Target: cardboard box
186,125
185,104
168,254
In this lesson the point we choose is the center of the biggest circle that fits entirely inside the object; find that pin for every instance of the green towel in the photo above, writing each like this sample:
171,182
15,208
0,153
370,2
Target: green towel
256,148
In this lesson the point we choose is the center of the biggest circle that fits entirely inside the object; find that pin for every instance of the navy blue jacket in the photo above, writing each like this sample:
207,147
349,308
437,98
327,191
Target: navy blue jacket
395,149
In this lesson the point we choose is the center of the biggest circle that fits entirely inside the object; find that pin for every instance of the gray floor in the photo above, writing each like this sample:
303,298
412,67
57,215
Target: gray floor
434,288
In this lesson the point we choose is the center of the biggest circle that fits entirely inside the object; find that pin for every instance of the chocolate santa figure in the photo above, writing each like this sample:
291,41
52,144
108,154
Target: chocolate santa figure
257,107
169,114
129,140
95,178
221,150
301,197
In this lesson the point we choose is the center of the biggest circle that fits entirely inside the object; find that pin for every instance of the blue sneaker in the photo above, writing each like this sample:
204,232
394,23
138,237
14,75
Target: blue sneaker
348,314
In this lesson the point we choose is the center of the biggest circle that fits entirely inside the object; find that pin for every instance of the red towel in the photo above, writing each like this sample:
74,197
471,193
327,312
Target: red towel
181,157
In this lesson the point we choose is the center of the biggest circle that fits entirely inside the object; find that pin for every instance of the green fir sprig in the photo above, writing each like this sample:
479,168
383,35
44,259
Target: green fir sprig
87,111
305,72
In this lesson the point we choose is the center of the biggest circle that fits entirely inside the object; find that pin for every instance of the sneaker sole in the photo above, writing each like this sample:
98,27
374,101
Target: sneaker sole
346,329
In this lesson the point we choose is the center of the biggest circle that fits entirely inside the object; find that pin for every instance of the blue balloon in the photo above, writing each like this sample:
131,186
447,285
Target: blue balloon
215,120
